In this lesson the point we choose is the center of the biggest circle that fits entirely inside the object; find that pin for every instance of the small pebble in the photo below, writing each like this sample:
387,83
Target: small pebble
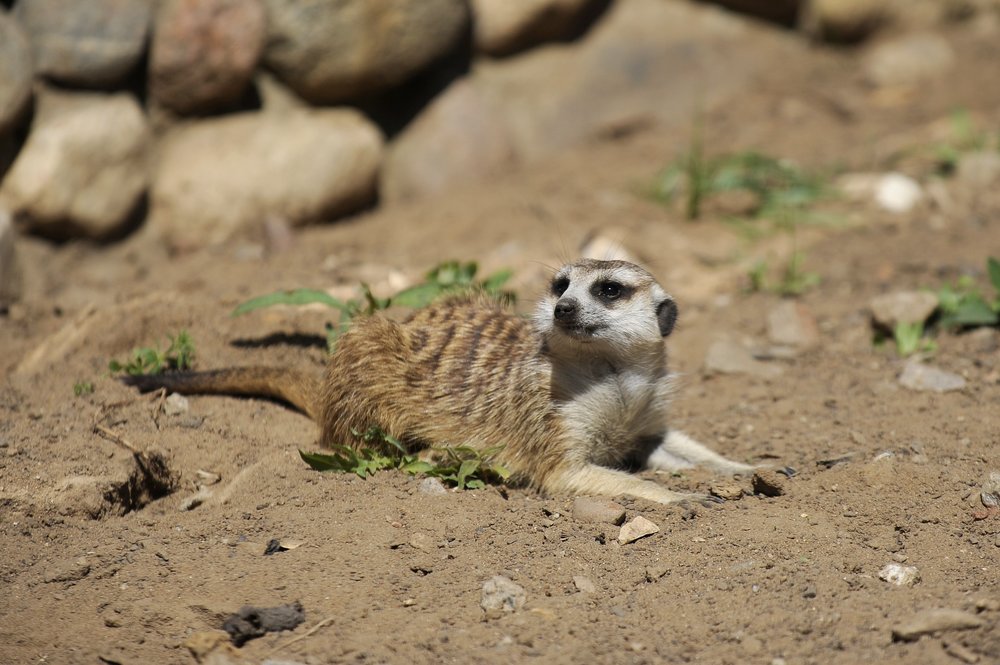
918,376
768,482
175,404
790,323
502,594
900,575
655,571
990,493
638,528
890,309
432,486
727,491
727,357
589,509
420,541
583,584
932,621
70,572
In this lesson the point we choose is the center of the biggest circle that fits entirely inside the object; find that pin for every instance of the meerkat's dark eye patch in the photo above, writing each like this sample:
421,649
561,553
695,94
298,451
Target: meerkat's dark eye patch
559,286
666,316
610,290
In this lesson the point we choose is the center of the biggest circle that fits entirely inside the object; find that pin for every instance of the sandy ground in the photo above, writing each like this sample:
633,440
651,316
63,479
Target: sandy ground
98,565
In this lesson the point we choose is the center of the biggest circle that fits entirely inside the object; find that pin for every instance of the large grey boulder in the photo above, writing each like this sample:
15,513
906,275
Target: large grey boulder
330,51
219,176
15,72
204,52
502,27
92,43
459,138
646,62
82,171
909,60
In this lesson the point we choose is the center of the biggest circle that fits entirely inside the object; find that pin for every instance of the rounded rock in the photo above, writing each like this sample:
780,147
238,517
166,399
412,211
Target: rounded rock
97,43
204,52
459,138
15,72
330,52
503,27
219,176
909,60
502,594
82,171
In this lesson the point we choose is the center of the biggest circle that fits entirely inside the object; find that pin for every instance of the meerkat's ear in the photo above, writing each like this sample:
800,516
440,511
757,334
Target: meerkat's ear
666,315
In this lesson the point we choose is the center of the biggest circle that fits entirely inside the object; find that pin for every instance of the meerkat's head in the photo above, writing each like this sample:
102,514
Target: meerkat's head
604,305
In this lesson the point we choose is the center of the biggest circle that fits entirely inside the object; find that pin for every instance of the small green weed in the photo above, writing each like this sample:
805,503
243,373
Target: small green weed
964,306
909,338
966,136
81,388
959,306
449,278
179,355
463,467
781,188
794,280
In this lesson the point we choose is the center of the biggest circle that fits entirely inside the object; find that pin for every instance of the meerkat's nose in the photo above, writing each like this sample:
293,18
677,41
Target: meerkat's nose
566,309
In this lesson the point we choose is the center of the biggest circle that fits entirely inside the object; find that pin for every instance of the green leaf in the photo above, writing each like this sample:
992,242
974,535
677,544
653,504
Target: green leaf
467,272
993,266
393,441
323,462
295,297
972,310
495,282
419,295
907,336
948,300
466,469
500,471
417,466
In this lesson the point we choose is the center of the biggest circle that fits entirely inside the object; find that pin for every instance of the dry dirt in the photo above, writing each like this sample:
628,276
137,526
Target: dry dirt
96,567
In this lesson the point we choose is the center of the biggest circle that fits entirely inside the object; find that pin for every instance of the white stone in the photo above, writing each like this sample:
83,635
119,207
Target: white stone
917,376
175,404
898,193
900,575
501,593
584,584
638,527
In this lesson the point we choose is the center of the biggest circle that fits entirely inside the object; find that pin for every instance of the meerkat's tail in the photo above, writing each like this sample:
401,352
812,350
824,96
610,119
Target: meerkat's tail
298,388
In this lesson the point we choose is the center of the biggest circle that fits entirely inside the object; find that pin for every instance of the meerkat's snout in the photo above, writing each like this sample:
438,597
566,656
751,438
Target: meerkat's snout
566,311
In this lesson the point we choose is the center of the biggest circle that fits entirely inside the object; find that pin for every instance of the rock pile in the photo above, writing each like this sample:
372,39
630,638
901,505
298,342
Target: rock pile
207,118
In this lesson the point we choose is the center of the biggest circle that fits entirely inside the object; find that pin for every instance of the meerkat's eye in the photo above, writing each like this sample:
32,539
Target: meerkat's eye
609,290
559,286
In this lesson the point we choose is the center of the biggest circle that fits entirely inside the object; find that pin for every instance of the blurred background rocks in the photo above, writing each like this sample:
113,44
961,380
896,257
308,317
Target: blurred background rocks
209,119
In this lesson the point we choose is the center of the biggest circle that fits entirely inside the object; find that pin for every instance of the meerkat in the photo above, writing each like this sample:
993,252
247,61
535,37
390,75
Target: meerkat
575,398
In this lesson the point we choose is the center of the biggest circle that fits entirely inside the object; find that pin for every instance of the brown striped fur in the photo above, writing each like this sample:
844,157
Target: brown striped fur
566,400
